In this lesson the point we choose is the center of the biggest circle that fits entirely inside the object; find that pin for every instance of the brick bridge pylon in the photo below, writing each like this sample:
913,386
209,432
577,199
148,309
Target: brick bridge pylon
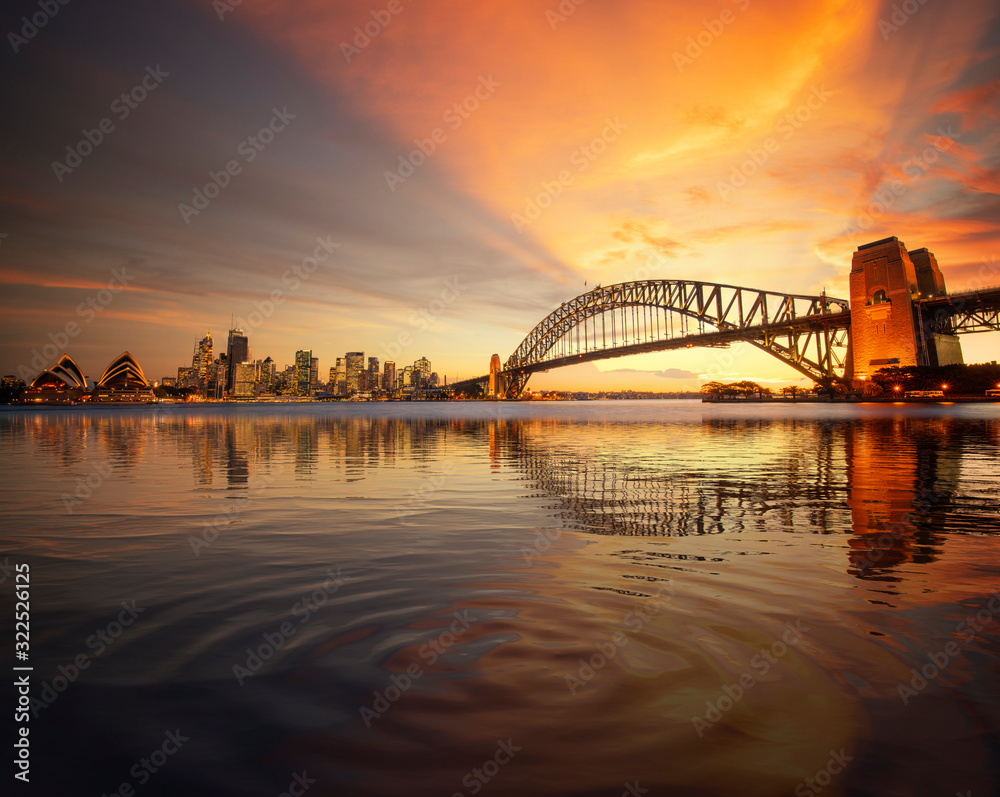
887,283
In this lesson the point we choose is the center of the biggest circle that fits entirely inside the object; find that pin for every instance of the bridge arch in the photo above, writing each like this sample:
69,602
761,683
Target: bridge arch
809,333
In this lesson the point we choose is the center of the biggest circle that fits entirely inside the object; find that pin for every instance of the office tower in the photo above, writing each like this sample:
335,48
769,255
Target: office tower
313,374
355,365
202,359
237,351
215,377
422,372
303,369
244,380
373,381
389,376
340,384
267,374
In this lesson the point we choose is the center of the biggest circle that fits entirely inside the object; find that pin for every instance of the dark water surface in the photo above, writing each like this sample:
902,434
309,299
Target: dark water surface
562,599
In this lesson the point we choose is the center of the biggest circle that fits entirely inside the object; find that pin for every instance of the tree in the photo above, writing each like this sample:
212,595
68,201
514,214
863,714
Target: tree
747,388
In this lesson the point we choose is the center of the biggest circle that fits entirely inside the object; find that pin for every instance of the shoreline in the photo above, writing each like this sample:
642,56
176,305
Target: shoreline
704,400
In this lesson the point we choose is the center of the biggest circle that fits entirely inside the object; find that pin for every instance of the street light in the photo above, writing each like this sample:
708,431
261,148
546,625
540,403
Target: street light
944,388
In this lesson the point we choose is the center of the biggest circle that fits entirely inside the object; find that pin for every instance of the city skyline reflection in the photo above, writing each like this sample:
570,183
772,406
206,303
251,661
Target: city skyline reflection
896,485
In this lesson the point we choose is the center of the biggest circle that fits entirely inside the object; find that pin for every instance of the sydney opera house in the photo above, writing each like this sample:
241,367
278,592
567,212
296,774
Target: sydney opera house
64,383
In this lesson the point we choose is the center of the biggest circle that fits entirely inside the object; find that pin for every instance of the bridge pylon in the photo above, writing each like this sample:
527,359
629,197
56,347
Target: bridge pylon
887,327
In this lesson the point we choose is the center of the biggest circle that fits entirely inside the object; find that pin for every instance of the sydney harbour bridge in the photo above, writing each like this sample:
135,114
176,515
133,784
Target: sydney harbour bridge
899,314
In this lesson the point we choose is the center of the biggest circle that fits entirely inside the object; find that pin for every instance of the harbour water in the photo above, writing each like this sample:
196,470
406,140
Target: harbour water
594,598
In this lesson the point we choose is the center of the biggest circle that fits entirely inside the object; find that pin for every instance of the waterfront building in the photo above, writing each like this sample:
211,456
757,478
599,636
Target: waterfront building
340,383
389,376
123,381
355,365
313,375
187,377
303,372
64,382
237,351
201,361
373,375
267,374
245,376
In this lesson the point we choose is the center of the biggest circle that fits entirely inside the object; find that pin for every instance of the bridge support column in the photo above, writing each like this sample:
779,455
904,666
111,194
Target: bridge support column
495,388
887,328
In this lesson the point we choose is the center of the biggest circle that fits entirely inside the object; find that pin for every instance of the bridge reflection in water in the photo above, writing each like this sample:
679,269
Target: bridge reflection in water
897,486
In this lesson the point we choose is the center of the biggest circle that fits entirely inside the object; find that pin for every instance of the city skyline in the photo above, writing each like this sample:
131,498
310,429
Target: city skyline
319,189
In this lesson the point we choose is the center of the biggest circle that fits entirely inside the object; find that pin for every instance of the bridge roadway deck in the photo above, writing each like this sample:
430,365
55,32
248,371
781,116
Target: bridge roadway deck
716,338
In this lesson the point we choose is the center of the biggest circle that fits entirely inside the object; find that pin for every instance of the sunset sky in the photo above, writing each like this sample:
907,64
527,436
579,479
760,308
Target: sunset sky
748,142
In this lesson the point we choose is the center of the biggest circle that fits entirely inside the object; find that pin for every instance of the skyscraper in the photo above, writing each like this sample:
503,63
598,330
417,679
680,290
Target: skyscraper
237,351
373,373
303,372
421,373
244,380
355,365
313,374
341,385
267,374
202,359
389,376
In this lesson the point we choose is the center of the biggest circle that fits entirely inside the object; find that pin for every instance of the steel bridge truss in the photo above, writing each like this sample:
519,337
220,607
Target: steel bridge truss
959,313
809,333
